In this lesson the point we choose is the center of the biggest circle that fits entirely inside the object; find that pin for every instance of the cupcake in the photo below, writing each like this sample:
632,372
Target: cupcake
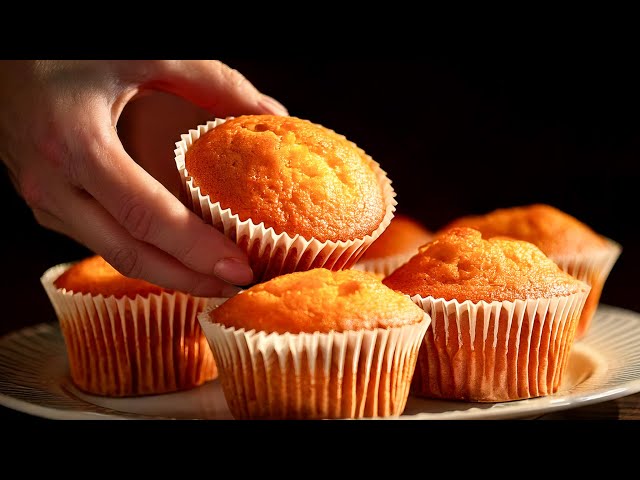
317,344
292,194
397,244
574,246
127,337
503,314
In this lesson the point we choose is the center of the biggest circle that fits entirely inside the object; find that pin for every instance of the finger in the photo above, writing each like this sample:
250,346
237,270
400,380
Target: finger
214,86
149,128
144,208
93,226
72,212
52,222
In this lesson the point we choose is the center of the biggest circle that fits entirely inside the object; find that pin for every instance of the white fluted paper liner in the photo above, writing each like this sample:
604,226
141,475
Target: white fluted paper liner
353,374
383,266
497,351
592,268
131,346
272,254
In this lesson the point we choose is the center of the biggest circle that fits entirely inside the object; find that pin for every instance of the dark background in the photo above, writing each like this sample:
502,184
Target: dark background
456,136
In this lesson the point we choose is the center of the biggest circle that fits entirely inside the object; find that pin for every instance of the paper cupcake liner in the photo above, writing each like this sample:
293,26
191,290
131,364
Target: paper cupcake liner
498,351
382,267
131,346
272,254
593,269
354,374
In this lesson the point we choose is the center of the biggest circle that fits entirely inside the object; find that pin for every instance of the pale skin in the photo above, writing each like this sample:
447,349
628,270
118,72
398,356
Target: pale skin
59,141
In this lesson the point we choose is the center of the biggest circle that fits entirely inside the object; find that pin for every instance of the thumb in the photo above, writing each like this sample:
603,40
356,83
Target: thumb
213,86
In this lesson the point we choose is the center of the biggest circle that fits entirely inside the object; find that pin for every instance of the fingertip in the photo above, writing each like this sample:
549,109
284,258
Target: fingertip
229,291
234,271
214,288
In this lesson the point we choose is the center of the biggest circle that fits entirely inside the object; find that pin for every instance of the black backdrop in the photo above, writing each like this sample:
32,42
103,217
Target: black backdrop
456,137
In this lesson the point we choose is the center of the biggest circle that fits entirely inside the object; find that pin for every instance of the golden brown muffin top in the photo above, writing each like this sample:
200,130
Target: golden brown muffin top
403,236
318,300
95,276
556,233
459,264
295,176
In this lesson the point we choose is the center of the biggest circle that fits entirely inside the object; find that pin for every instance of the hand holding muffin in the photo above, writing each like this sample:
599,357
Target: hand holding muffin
59,142
292,194
460,317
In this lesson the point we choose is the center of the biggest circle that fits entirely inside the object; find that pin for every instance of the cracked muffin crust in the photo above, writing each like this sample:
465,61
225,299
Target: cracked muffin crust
553,231
318,300
290,174
461,265
573,245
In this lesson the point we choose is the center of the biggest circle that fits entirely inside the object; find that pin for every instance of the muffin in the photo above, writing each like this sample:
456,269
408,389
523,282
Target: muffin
574,246
397,244
503,314
127,337
316,344
294,195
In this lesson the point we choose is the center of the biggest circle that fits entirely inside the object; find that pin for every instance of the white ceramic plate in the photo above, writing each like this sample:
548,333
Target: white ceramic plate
34,379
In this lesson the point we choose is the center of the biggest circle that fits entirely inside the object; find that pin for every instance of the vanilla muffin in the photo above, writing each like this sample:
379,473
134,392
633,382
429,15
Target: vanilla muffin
574,246
397,244
127,337
503,315
316,344
293,194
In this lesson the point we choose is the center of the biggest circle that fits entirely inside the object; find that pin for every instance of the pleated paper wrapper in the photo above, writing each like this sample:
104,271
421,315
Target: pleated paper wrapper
498,351
592,268
271,254
353,374
131,346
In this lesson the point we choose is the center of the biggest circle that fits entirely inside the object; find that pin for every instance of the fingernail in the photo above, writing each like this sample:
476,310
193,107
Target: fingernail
271,105
233,271
229,291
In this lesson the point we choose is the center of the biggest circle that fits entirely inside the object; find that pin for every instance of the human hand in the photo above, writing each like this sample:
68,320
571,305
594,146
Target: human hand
59,142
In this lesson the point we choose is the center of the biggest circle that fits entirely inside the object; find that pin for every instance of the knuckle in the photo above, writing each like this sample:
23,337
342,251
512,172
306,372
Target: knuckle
232,76
136,218
218,66
56,153
98,143
237,79
99,148
126,261
52,147
149,69
137,70
187,253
